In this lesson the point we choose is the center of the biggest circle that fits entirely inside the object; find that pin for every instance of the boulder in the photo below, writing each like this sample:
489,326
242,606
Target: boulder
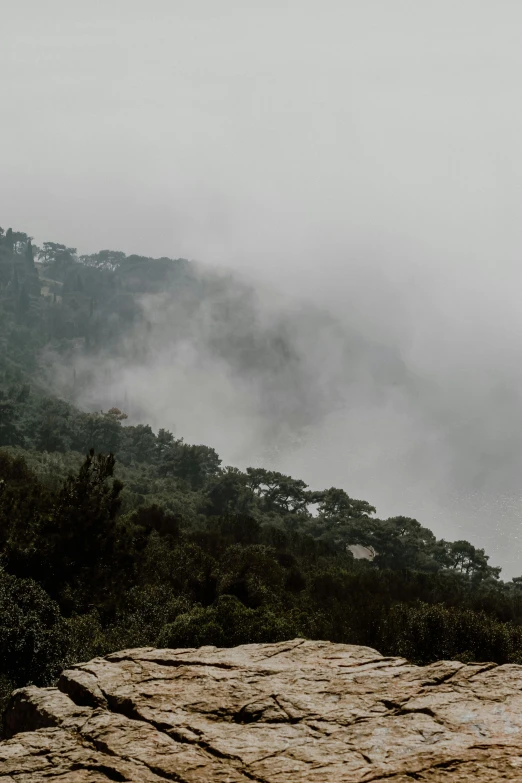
270,713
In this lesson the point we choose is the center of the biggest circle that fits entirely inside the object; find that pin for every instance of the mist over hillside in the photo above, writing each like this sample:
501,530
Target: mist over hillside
217,359
417,406
272,377
291,383
224,362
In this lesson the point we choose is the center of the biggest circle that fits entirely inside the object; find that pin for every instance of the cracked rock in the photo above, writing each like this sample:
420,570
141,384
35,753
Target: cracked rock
294,711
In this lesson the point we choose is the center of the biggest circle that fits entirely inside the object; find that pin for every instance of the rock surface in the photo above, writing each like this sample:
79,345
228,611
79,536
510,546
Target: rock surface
294,711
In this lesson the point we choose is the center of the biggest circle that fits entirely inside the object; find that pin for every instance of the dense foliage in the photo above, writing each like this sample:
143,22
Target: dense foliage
112,535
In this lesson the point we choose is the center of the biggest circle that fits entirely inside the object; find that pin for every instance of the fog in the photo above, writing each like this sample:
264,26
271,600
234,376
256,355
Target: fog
359,157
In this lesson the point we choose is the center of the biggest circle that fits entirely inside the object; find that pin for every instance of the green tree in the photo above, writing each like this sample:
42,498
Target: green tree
33,634
229,494
79,538
464,557
335,505
277,492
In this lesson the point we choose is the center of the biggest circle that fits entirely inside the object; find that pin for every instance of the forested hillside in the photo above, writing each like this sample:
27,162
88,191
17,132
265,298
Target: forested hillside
114,535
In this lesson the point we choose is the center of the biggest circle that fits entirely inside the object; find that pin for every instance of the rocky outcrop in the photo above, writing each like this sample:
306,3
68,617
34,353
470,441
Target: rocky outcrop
294,711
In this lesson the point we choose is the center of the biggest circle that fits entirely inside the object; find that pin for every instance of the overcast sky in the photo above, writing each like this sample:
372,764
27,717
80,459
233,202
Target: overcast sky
365,153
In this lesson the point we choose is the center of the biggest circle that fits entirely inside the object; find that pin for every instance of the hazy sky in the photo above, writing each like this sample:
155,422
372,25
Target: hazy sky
256,132
365,153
